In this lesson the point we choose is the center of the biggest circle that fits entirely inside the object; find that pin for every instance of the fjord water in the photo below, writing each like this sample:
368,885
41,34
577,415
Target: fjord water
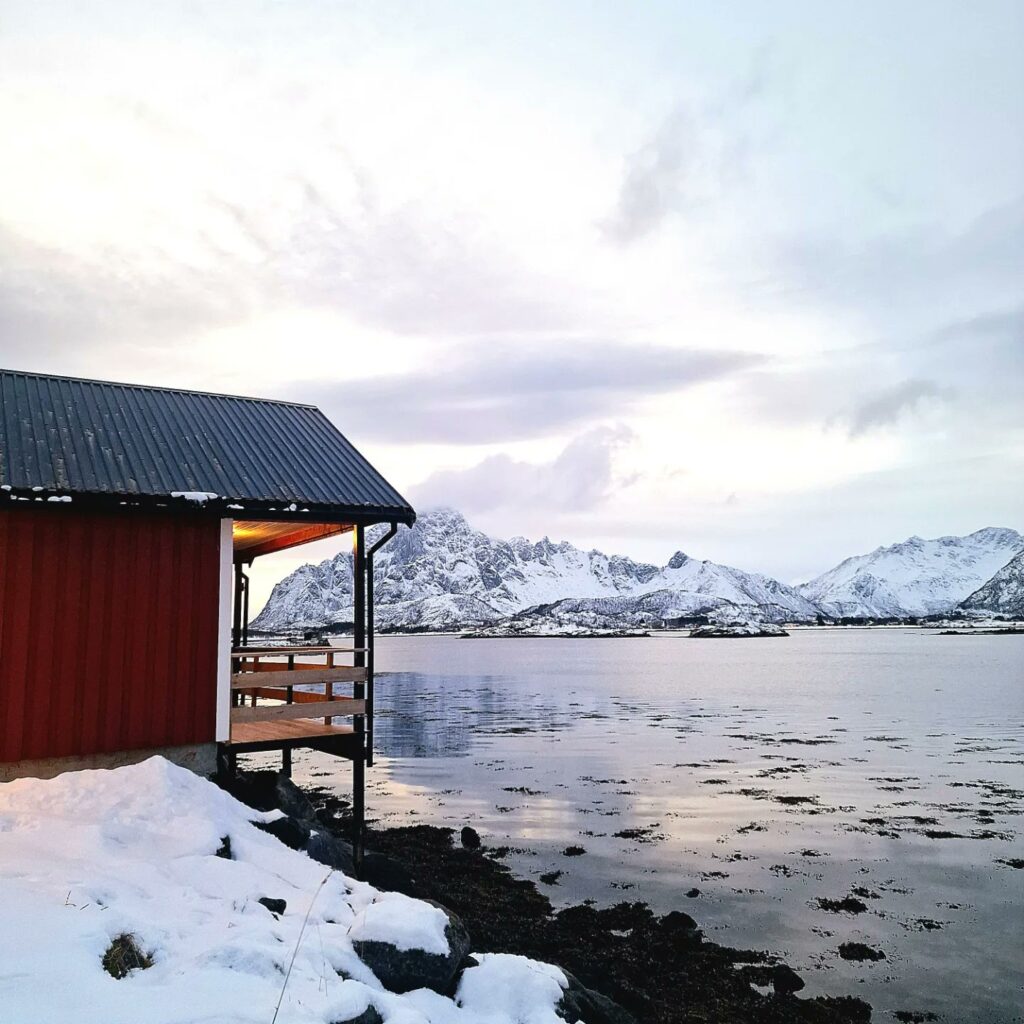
767,774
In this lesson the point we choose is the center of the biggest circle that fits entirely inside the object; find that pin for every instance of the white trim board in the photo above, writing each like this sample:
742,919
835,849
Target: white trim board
223,727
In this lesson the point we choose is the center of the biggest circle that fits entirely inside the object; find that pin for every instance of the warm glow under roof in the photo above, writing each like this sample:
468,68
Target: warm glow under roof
260,537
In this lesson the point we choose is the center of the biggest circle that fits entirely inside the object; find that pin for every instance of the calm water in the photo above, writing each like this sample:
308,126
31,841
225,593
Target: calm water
765,774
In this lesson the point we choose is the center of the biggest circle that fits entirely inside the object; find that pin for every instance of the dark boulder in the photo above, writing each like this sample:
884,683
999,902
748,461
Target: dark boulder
785,980
579,1003
292,833
386,873
293,801
681,928
276,907
332,851
403,970
470,838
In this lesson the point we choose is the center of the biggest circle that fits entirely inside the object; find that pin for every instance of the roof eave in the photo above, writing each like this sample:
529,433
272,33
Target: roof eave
222,506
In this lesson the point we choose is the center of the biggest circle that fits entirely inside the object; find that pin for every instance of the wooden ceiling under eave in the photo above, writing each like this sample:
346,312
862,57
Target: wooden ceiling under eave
253,538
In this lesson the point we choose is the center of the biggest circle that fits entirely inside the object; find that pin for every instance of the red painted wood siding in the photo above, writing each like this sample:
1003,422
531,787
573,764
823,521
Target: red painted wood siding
108,631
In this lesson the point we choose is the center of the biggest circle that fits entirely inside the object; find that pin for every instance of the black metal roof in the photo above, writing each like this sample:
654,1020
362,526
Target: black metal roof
130,443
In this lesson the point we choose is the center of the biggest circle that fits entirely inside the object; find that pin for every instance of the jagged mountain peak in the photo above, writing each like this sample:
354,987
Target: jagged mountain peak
1003,594
443,567
916,576
444,573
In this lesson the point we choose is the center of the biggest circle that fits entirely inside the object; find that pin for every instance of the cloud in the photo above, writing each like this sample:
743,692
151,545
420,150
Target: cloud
894,403
399,270
694,154
487,392
653,179
577,480
53,300
910,279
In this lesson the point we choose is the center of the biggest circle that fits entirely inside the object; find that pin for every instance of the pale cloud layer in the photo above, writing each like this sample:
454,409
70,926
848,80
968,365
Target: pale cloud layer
740,281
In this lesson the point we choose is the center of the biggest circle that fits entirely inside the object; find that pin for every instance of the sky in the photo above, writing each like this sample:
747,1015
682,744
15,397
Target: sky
743,280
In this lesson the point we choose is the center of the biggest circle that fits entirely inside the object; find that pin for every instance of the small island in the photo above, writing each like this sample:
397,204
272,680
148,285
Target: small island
534,630
718,630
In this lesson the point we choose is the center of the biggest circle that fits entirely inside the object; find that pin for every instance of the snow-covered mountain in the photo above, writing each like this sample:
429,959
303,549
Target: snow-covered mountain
1003,594
444,574
916,577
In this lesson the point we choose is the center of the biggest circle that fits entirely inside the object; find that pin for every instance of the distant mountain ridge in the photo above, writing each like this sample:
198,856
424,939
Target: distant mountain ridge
1003,593
443,575
914,578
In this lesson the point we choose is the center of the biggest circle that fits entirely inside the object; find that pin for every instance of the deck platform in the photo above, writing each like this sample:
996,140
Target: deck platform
247,737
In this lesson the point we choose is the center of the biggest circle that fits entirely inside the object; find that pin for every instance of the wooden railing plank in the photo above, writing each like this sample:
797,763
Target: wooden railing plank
300,677
265,652
339,707
281,666
280,693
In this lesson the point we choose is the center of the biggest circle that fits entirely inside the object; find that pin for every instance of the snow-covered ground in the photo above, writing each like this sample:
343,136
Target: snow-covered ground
92,855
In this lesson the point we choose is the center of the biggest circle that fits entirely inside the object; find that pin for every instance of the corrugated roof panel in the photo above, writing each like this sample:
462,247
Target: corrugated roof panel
97,438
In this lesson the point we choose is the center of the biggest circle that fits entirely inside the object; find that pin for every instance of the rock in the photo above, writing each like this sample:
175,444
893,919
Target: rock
294,802
403,970
292,833
579,1003
368,1016
386,873
470,838
847,905
860,951
332,851
573,851
785,980
276,907
224,850
681,928
692,894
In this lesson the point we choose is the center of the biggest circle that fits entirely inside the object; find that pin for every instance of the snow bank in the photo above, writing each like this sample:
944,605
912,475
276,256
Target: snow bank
91,855
403,922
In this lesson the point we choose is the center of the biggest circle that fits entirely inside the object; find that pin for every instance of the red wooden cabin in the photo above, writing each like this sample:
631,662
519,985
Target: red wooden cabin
127,517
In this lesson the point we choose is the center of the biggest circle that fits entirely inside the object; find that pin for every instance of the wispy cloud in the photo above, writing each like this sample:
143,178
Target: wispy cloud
484,392
893,404
576,480
654,179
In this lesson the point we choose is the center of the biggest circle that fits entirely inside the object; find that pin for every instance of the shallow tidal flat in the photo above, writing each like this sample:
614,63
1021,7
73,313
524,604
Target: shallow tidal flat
849,799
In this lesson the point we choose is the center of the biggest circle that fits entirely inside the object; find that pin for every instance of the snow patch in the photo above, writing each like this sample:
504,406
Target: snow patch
403,922
91,855
198,497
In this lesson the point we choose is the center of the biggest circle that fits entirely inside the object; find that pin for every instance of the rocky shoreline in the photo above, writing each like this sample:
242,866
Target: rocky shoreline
627,964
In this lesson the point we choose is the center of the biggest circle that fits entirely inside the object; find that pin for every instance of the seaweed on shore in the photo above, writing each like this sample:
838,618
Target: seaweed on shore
659,968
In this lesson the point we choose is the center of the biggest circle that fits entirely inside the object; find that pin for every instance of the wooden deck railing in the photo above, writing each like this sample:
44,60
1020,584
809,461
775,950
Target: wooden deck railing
274,673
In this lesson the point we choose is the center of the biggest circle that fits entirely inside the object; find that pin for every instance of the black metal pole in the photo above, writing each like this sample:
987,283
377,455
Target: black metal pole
359,693
245,608
370,638
236,620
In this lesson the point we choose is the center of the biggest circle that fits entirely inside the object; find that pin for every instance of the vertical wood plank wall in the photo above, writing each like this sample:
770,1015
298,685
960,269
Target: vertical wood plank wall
108,631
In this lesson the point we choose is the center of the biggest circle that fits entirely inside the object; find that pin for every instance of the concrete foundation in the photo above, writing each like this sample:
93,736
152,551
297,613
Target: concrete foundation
198,757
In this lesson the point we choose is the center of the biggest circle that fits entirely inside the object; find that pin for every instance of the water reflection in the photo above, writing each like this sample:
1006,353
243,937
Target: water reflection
429,715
